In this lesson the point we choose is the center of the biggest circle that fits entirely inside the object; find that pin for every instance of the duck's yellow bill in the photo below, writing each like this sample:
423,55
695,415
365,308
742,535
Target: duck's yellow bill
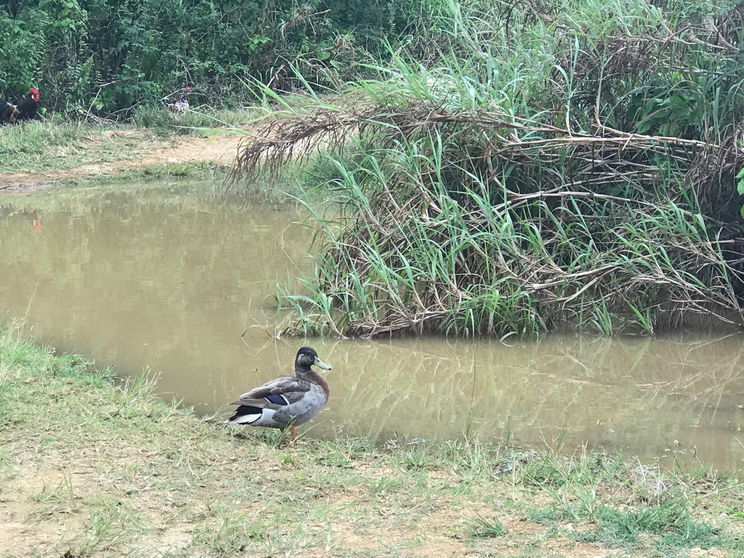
320,364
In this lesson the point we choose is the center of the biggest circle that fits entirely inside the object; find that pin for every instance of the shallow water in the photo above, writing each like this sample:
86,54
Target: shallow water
171,281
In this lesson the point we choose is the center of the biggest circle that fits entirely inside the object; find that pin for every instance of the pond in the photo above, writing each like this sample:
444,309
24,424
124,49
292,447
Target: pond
175,282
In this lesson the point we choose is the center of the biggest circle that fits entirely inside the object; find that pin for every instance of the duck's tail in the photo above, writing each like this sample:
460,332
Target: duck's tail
245,414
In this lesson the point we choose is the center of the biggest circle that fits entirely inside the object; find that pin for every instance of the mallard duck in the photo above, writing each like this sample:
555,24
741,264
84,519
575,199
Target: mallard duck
286,401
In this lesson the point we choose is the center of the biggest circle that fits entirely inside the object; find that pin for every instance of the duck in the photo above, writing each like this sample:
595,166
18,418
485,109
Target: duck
287,401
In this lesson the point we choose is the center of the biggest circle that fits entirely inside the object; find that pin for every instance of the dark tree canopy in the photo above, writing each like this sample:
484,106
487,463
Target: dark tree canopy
109,56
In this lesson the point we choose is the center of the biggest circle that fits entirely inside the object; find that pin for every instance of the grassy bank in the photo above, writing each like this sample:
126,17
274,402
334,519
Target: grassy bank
40,146
92,467
158,145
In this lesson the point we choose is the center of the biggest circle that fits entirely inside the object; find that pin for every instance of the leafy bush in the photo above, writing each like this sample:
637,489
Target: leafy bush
108,56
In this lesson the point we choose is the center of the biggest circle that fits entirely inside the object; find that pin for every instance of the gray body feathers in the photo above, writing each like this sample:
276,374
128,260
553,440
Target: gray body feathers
285,401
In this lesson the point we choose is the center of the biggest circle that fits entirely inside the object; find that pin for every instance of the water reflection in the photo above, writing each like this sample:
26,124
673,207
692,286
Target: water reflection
644,396
184,286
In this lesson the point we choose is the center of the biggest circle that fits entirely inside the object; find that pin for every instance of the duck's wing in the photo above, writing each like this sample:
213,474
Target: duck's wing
275,393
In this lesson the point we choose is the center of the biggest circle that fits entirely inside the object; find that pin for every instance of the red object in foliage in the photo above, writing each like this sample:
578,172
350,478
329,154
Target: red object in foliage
29,105
182,101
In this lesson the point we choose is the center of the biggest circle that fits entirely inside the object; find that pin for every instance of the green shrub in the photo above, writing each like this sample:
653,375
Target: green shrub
109,56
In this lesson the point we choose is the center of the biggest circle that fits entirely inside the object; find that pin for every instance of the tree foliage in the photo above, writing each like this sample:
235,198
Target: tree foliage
109,55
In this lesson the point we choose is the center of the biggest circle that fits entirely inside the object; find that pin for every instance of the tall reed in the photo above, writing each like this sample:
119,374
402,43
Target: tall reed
529,168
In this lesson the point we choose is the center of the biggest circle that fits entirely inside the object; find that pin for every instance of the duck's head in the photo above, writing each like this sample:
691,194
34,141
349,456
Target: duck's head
307,357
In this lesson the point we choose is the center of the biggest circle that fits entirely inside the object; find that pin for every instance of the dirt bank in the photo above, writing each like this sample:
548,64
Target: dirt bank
125,151
92,469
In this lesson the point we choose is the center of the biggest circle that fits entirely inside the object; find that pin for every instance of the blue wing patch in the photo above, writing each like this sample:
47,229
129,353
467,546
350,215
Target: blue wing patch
277,399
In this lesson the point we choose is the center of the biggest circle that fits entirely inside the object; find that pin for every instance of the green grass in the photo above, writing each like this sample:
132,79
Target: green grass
232,532
188,171
474,267
56,145
488,528
92,466
164,121
50,145
41,145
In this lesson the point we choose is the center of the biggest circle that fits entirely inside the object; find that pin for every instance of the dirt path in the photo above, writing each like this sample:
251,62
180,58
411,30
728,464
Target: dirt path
141,152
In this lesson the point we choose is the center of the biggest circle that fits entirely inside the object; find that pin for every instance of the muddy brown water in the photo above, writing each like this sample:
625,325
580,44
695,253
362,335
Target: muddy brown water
168,280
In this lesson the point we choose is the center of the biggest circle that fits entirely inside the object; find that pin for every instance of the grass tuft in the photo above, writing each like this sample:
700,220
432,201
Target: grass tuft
231,534
487,528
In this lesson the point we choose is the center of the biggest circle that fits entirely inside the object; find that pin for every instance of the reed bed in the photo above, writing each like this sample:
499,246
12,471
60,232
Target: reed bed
527,168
